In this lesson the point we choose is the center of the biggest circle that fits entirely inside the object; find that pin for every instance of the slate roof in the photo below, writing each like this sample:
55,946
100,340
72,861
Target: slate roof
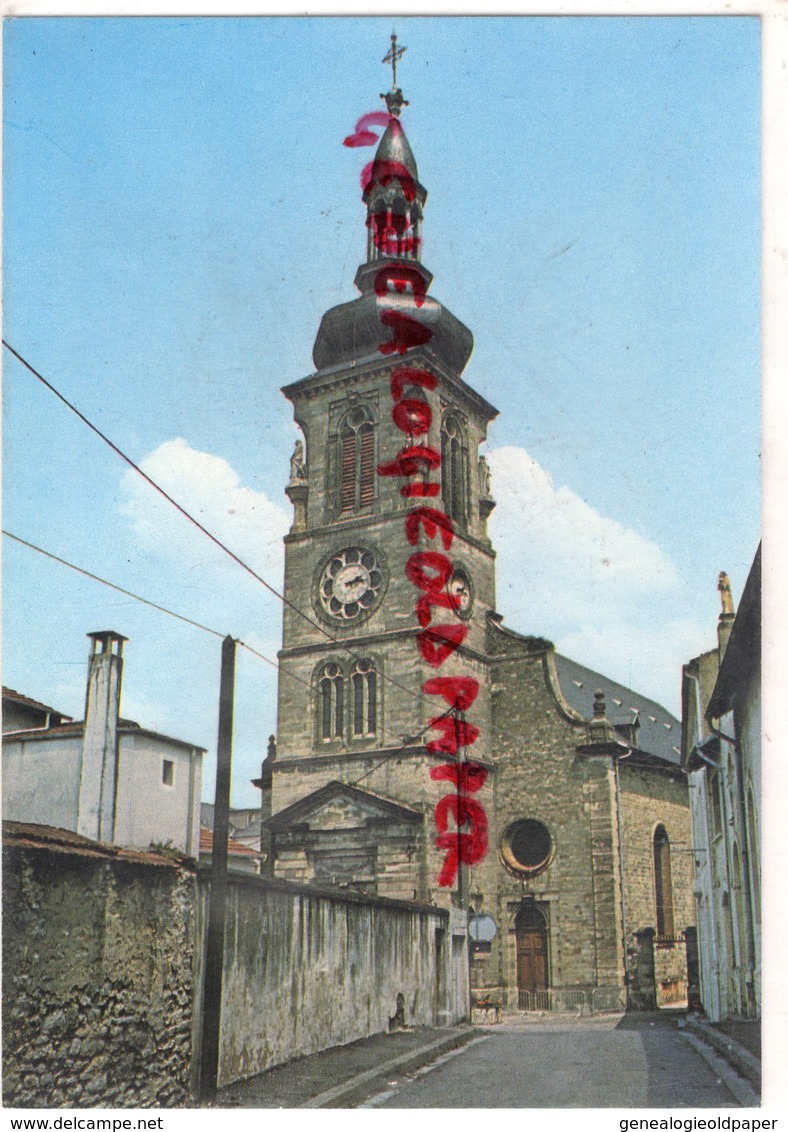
660,732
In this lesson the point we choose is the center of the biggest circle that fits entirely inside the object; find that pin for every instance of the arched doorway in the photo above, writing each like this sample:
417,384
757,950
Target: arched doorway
530,930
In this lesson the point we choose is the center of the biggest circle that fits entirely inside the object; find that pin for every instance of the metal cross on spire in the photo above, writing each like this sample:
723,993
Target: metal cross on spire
394,100
392,56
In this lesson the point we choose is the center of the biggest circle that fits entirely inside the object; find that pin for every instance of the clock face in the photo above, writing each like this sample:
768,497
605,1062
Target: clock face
459,588
350,584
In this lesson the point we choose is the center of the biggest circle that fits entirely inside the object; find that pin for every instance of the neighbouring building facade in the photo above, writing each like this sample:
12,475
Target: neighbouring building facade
570,822
721,753
103,777
243,842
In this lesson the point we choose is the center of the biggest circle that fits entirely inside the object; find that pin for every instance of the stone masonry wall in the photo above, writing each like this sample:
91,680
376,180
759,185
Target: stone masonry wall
540,775
306,969
102,960
649,799
97,978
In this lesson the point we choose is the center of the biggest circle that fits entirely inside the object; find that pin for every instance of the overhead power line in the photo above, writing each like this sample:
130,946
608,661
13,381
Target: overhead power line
148,602
156,487
214,633
187,515
111,585
408,742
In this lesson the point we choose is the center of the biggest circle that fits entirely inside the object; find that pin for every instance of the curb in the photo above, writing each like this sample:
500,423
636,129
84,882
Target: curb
734,1053
358,1087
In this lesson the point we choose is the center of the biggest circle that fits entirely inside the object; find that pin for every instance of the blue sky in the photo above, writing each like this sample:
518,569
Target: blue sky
179,212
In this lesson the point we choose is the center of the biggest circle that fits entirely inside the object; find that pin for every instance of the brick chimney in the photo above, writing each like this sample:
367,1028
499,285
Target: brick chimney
98,776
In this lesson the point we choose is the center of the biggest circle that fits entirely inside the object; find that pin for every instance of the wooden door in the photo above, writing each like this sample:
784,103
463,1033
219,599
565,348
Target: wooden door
531,934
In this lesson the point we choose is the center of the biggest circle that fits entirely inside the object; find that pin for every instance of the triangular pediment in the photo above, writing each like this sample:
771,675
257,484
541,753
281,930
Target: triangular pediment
338,806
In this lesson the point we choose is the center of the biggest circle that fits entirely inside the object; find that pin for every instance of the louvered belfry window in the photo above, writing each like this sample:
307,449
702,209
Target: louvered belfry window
366,465
357,462
349,470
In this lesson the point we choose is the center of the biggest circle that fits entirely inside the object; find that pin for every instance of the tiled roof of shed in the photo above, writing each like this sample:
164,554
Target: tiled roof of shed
26,701
234,848
33,836
76,727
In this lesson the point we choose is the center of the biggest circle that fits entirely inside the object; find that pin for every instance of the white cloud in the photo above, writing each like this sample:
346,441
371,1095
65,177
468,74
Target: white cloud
607,596
535,516
247,521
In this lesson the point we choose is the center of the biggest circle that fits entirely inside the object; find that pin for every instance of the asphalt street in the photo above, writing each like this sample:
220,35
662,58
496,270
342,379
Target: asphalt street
628,1062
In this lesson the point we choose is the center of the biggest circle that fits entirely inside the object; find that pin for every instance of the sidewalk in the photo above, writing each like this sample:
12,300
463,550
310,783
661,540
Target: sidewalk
342,1076
741,1059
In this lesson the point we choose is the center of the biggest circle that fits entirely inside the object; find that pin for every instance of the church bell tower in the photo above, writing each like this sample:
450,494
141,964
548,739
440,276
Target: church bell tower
351,709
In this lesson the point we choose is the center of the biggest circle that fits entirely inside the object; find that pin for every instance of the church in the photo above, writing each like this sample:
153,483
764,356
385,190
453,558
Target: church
425,751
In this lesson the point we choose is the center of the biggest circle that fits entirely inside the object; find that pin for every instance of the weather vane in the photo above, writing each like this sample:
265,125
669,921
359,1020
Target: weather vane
392,56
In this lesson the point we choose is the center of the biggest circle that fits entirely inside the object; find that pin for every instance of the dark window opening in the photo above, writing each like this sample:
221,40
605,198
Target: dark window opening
663,883
527,846
714,785
332,702
454,470
364,698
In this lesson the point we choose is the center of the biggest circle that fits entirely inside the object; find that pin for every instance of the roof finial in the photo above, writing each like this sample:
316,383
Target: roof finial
394,53
394,99
724,586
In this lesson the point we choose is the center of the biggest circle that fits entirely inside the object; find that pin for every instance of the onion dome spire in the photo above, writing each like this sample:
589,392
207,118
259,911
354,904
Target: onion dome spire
392,192
394,198
392,279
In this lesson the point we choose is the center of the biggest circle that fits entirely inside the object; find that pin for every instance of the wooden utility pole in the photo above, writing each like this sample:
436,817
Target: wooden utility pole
217,898
462,868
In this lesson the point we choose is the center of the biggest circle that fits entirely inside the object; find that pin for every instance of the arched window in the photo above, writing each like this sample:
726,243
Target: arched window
364,679
663,885
454,469
394,228
331,702
357,462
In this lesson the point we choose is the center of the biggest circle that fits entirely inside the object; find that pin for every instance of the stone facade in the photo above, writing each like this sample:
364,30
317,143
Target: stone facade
721,754
345,836
103,969
652,797
601,803
587,819
98,947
